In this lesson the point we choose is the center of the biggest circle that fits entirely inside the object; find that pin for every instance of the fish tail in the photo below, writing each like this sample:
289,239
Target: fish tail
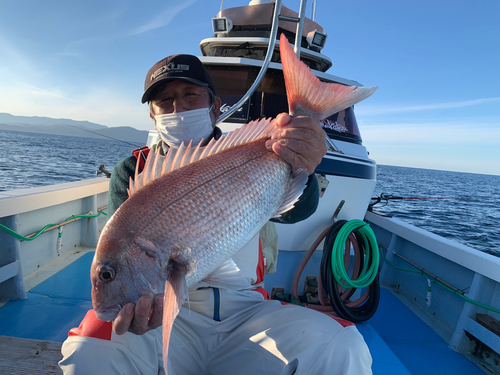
176,292
308,96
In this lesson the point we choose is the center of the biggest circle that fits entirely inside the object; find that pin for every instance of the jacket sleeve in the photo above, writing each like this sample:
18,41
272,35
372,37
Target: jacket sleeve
305,206
118,183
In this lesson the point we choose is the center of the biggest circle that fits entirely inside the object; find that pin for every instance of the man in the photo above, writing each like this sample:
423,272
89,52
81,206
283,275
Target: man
223,329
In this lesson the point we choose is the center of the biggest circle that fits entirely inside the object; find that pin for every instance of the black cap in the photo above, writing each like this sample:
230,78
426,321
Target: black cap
186,67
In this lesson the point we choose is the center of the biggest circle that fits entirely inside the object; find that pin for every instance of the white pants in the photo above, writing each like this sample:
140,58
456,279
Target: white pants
254,336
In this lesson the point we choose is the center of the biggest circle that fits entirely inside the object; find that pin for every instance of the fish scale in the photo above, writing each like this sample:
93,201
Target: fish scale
234,203
212,209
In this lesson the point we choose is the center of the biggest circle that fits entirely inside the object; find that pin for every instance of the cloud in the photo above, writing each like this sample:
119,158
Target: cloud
12,57
470,159
378,110
67,54
443,133
45,93
106,106
162,19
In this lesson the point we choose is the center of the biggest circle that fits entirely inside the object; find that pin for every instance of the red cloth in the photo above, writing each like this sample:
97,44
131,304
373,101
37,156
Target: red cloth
261,267
93,327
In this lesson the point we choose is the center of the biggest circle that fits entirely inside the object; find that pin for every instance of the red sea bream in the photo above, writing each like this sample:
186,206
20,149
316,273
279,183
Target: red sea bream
190,211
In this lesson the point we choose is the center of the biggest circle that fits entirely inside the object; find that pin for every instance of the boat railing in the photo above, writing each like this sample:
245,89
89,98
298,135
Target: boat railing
28,257
449,285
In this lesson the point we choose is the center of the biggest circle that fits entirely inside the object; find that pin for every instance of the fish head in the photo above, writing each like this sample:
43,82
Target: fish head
121,272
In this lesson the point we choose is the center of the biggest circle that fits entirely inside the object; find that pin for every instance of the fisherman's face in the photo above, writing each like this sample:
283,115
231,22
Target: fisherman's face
179,96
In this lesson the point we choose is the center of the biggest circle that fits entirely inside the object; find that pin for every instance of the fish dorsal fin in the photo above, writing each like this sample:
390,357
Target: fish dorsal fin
295,190
157,165
308,96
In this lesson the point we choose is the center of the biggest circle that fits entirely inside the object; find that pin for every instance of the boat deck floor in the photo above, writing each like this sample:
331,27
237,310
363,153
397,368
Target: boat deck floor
26,356
400,343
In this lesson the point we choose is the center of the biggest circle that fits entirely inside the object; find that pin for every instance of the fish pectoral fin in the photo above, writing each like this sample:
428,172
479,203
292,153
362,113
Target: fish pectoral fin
176,292
297,185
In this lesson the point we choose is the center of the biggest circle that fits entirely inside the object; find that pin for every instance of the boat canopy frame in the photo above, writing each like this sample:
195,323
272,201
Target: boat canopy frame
270,51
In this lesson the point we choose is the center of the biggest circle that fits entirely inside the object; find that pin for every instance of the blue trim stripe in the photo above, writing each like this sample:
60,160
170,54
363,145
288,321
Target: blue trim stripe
216,304
342,166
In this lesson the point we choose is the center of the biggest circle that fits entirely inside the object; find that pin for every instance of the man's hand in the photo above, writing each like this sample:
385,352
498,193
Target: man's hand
139,318
300,141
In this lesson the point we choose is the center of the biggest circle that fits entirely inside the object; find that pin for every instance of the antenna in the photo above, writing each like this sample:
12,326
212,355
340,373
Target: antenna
221,4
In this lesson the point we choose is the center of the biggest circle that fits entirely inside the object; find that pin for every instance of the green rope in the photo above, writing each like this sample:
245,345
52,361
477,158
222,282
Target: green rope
22,238
97,214
399,268
467,299
367,275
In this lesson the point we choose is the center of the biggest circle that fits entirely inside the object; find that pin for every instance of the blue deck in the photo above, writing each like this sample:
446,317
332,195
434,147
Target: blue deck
416,345
400,343
53,307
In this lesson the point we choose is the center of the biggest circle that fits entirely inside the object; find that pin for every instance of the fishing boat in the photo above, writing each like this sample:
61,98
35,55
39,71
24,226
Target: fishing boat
430,307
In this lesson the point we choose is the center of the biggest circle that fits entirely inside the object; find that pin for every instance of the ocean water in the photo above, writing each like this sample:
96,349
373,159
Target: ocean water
470,213
464,207
32,159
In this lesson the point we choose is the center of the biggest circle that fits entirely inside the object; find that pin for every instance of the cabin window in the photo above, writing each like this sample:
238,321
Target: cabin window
248,51
342,126
245,50
231,83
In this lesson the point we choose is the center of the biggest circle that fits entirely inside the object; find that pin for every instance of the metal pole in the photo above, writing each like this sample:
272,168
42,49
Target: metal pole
267,60
300,27
313,10
430,274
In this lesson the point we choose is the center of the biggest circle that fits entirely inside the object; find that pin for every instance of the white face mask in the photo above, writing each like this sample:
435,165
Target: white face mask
175,128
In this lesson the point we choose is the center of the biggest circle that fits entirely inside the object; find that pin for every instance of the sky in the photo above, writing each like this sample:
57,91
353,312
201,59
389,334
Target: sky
436,65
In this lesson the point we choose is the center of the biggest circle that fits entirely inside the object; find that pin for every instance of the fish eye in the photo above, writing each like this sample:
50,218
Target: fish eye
107,274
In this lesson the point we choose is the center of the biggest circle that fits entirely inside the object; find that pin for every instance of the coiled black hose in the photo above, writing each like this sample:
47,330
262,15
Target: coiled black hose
371,297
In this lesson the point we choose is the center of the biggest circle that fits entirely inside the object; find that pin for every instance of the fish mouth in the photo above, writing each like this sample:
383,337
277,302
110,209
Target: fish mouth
108,313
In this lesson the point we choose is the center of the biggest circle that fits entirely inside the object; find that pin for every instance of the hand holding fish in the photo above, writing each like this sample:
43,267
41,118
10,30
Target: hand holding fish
139,318
298,140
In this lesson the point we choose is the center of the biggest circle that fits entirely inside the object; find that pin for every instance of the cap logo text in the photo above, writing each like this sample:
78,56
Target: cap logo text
169,68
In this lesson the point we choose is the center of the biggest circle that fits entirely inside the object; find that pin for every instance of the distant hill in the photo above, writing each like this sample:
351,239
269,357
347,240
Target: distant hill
8,119
47,125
